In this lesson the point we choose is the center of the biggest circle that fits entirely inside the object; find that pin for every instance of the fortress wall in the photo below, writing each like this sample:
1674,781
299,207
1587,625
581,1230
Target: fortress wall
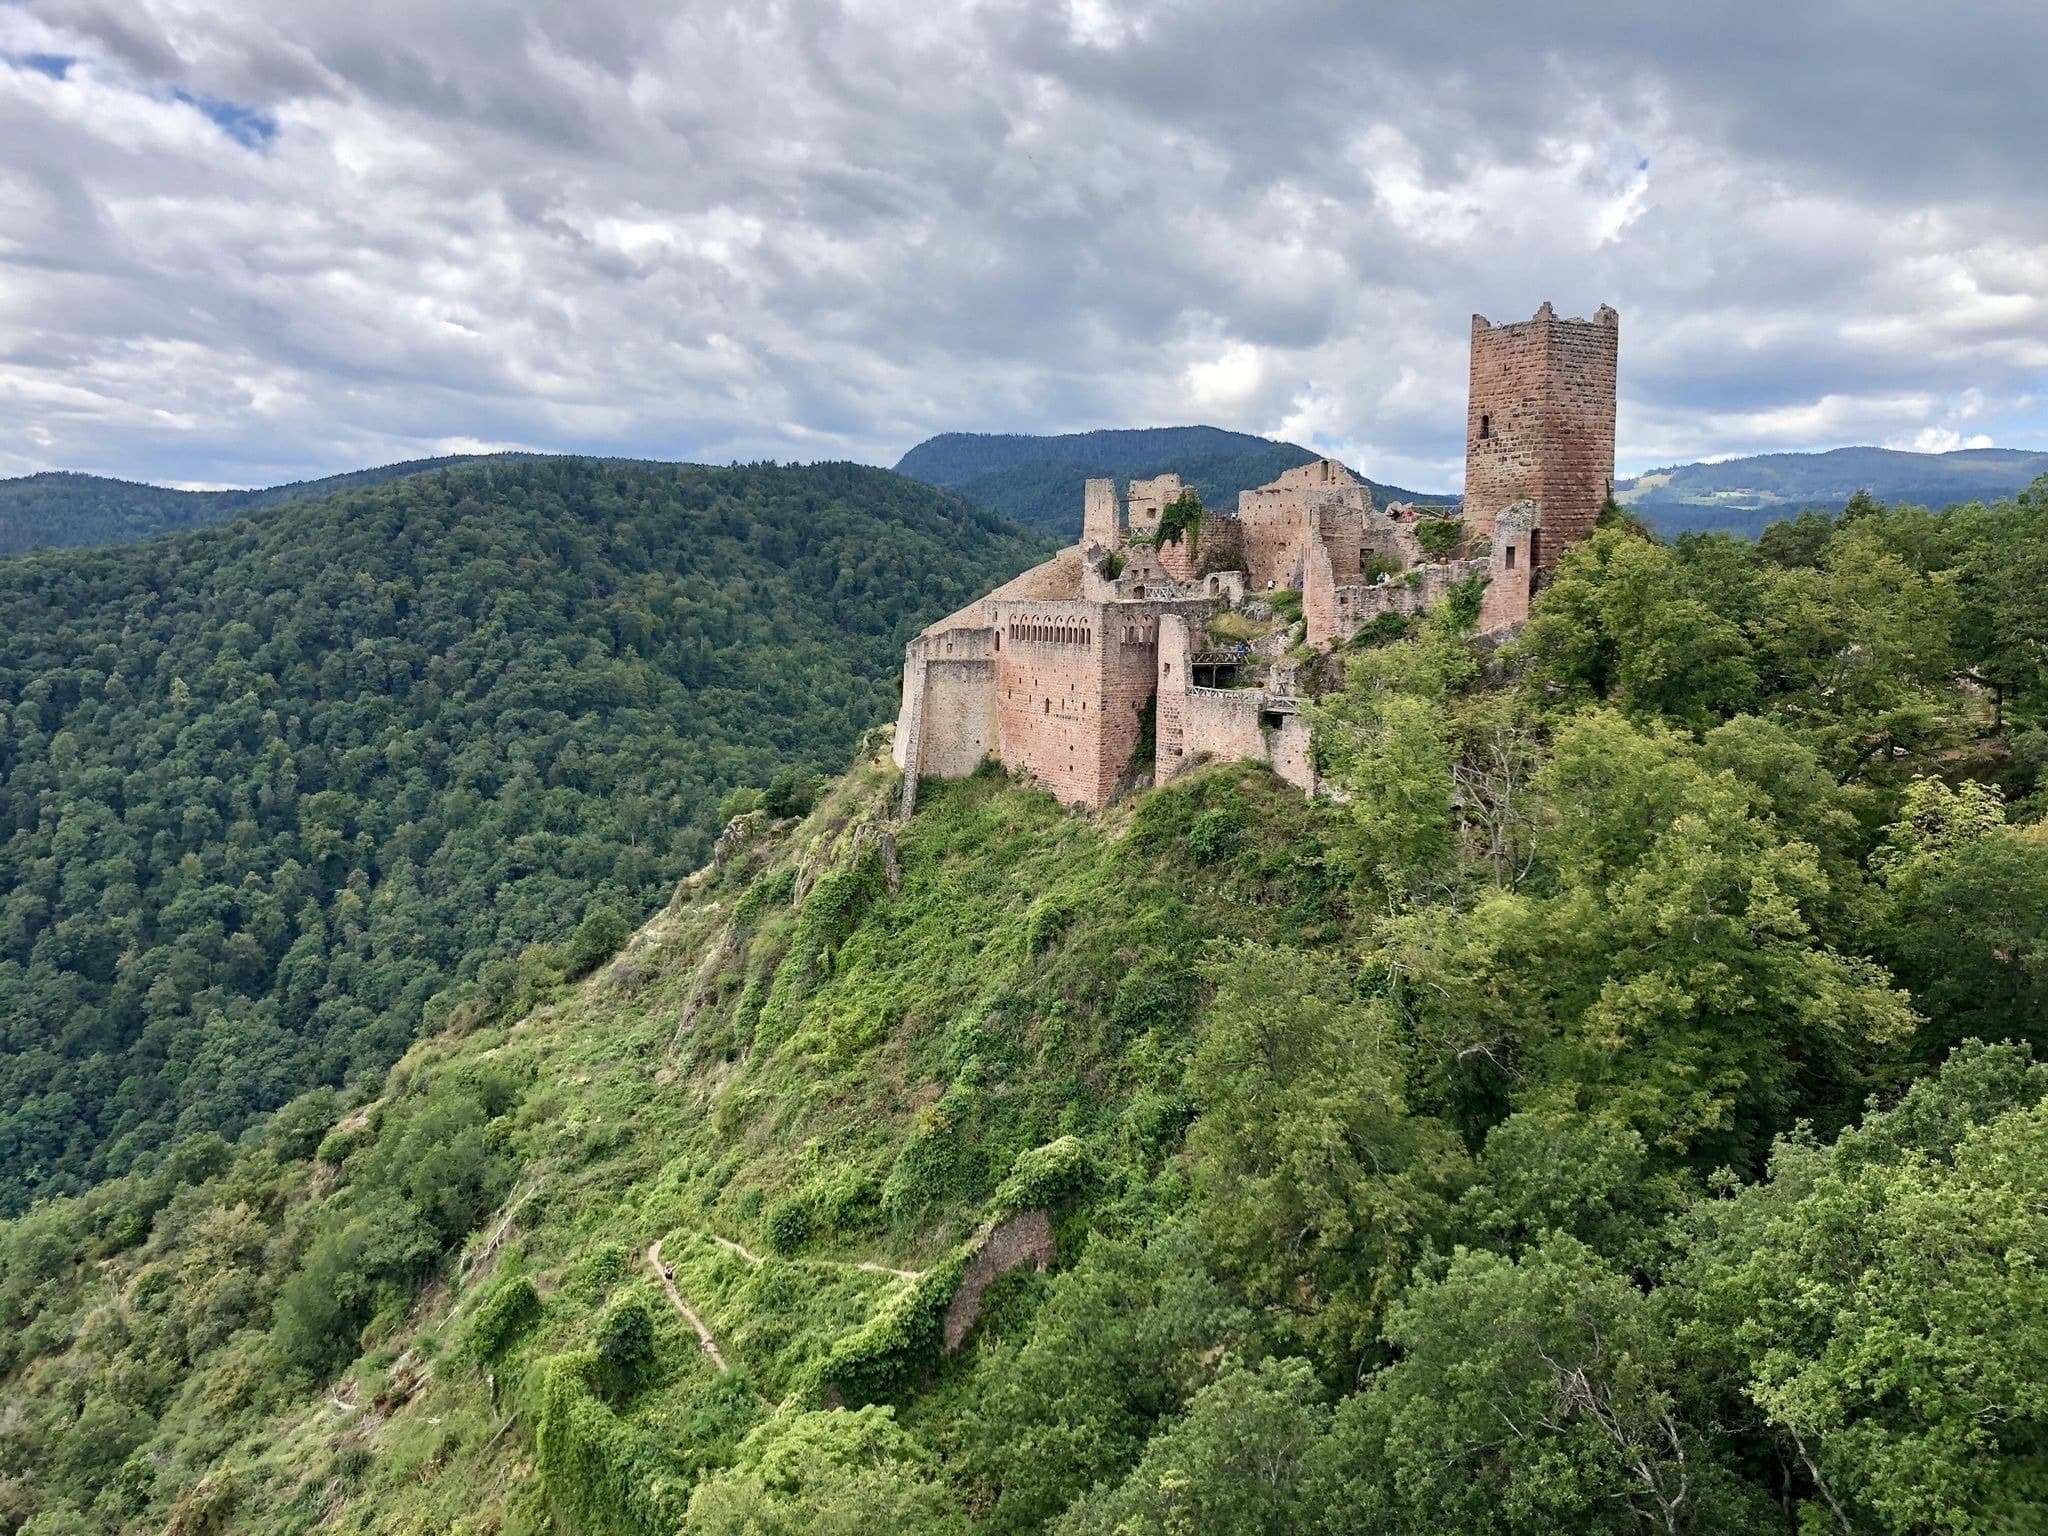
1047,685
1179,562
1318,593
1271,535
1581,477
905,749
1222,547
1276,518
958,730
1129,667
1223,723
1288,751
1073,684
1170,728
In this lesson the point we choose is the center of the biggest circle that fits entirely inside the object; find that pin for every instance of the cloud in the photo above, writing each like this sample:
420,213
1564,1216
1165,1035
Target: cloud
245,242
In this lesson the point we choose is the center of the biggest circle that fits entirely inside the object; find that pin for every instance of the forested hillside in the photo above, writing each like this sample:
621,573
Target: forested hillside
67,511
1038,480
274,792
1620,1113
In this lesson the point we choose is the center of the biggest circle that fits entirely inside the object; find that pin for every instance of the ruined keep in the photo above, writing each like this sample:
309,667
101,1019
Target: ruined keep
1065,672
1539,424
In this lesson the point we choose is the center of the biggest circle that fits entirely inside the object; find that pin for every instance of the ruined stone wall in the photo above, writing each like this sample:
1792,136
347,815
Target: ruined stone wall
1333,614
1148,500
904,746
1223,724
1048,685
946,724
1511,573
1318,593
1274,519
1026,1238
1540,423
1178,560
1101,518
1222,544
1288,751
1175,649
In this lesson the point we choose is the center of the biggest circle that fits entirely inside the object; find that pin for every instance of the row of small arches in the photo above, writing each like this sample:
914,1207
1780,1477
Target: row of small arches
1052,634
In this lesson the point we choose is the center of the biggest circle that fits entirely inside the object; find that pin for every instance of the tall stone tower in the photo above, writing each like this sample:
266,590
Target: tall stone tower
1539,426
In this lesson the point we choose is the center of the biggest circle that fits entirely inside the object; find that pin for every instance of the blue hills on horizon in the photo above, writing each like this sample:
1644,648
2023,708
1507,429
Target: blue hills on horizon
1037,481
1745,495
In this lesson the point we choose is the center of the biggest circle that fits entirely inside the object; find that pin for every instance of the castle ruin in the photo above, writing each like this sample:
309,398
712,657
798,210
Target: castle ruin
1185,637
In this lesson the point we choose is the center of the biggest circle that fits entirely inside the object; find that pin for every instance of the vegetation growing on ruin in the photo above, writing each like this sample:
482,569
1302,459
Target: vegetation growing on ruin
1619,1112
273,793
1180,521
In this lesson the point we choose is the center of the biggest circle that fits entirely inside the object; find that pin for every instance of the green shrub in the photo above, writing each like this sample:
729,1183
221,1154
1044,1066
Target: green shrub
792,792
1385,627
297,1130
789,1226
592,1277
1044,1176
743,801
1214,836
1156,993
1046,921
625,1348
1439,536
895,1348
597,938
768,891
506,1311
602,1479
1462,602
932,1167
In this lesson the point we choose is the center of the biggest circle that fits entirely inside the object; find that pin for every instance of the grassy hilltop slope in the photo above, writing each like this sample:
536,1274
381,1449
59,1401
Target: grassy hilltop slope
67,511
268,788
1601,1151
1038,480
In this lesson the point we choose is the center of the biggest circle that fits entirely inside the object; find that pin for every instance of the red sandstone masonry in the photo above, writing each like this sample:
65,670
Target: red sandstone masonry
1540,423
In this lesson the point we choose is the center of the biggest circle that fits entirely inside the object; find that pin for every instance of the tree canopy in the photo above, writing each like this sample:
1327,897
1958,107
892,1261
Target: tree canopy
273,793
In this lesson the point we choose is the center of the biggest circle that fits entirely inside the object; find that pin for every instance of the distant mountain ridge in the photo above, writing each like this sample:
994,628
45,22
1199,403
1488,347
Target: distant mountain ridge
1037,480
61,509
1743,496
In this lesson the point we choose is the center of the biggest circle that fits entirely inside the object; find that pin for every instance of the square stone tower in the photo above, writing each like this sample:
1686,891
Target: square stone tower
1540,425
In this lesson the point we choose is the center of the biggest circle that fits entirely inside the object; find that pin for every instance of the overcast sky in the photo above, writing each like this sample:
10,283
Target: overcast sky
244,241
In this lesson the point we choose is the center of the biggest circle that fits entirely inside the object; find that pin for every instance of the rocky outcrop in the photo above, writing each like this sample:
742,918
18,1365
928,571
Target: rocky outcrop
1025,1238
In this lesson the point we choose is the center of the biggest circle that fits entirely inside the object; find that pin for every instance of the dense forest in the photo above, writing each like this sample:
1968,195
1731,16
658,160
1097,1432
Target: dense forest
60,510
1038,480
273,792
1622,1111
